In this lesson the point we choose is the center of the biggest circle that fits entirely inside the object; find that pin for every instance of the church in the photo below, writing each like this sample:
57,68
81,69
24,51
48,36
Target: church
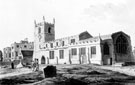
82,48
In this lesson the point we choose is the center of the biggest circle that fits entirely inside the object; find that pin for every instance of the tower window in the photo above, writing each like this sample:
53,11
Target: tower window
49,30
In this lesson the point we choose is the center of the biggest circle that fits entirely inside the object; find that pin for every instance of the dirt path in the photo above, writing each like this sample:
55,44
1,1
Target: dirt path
13,72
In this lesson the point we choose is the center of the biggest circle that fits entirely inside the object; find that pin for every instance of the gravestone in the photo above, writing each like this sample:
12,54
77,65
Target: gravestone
50,71
12,65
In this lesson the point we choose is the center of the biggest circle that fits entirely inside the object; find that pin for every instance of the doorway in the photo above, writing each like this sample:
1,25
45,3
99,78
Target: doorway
43,60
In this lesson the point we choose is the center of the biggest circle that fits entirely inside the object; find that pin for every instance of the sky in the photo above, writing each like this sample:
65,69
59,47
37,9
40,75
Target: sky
71,17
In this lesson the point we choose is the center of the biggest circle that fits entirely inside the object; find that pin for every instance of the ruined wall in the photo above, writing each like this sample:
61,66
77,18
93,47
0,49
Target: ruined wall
108,59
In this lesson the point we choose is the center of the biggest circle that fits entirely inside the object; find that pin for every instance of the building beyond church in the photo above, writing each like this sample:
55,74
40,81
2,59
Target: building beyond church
80,49
7,54
17,48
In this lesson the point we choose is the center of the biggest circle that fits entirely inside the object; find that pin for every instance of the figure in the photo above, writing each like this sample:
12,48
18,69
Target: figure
35,65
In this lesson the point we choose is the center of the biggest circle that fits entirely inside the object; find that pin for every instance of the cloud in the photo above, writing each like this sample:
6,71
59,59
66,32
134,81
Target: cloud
117,13
121,15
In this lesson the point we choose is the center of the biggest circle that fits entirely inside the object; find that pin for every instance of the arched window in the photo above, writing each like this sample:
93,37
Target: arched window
49,30
121,45
106,49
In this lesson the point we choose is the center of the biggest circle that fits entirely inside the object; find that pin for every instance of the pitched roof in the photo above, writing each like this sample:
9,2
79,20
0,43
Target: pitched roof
84,35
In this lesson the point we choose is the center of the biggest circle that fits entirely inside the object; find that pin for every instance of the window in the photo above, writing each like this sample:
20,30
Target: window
106,49
63,43
25,46
30,47
46,45
93,50
12,54
39,30
61,54
9,55
40,37
56,43
51,45
49,30
82,51
74,51
17,46
16,53
51,53
6,55
72,40
121,45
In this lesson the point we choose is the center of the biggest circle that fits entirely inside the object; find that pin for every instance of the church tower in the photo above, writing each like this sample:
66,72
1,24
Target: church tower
44,32
49,31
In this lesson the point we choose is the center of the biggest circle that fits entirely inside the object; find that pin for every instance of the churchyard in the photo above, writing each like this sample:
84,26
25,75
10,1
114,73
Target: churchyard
70,75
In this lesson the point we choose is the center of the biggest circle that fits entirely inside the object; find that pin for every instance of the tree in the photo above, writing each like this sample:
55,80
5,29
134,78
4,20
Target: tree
1,58
134,51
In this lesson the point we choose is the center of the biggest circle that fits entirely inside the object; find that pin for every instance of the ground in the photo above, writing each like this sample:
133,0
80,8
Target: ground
70,75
